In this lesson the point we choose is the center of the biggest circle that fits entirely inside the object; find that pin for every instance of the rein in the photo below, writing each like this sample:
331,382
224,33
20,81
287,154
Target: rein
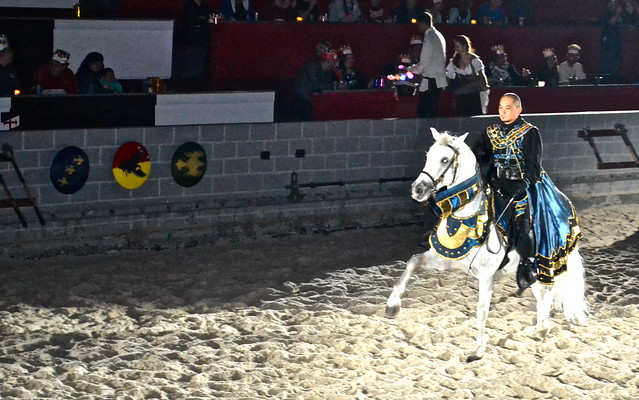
440,178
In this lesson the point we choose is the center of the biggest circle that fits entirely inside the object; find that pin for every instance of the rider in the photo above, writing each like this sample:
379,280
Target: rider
510,156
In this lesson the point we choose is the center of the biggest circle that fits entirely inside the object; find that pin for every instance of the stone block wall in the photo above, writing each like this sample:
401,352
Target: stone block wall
243,192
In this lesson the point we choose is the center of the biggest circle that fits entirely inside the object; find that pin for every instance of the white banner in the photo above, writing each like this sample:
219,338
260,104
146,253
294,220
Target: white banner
134,49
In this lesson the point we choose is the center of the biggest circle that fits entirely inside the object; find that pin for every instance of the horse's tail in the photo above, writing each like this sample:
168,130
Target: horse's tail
569,291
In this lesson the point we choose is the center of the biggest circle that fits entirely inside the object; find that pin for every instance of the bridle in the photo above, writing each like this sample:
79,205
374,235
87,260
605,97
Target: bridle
440,178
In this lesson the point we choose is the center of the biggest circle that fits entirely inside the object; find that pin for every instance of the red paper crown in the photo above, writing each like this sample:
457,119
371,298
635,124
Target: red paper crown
329,55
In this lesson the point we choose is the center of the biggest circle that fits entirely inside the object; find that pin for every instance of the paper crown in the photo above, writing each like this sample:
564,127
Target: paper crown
416,39
346,49
404,58
329,55
498,50
61,56
574,49
549,52
4,42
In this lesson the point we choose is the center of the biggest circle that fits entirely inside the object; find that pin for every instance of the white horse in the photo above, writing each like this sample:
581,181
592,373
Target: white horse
450,162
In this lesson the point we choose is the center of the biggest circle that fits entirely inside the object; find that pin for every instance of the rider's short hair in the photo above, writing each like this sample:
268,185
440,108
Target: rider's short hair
515,98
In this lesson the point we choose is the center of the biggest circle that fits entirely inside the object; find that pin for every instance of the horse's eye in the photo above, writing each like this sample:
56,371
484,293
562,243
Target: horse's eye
445,160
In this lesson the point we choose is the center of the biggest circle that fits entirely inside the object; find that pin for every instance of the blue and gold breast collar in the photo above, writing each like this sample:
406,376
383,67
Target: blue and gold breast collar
454,237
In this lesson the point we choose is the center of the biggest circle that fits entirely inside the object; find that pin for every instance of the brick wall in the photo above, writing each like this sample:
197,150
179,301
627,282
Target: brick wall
242,195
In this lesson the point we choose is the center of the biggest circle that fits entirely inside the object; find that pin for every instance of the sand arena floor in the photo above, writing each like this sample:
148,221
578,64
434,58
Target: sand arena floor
302,318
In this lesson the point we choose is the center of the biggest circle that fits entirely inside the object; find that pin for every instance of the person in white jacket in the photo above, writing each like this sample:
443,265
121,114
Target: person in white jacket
431,67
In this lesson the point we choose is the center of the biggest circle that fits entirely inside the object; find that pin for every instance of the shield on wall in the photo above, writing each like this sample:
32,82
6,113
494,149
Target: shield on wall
188,164
131,165
69,170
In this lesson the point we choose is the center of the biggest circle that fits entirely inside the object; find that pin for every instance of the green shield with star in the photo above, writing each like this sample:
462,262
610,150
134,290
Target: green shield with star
188,164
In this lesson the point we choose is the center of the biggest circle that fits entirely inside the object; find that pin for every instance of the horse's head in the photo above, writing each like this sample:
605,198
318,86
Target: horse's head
443,166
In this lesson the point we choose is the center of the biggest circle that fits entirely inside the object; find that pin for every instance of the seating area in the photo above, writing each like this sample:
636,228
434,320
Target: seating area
544,11
268,55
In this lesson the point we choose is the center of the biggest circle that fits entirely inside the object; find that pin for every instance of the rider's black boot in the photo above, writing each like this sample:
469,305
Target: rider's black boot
526,274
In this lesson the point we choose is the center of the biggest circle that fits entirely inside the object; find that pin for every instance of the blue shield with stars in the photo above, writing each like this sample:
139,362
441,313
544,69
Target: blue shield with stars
69,169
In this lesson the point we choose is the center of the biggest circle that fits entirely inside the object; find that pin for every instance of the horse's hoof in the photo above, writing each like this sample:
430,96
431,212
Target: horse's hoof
473,357
392,311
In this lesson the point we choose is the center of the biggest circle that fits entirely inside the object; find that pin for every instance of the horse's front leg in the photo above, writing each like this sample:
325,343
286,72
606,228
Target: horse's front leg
486,285
394,301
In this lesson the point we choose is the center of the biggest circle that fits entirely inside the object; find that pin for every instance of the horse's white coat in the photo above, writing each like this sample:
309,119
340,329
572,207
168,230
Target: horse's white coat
566,294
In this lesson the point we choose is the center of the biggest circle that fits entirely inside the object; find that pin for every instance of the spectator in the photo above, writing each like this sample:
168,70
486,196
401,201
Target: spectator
321,47
460,14
344,11
630,15
549,74
467,79
8,79
315,77
191,56
403,81
501,73
436,11
412,57
55,77
521,11
281,10
571,71
611,42
109,81
350,76
104,9
88,74
238,10
195,15
415,48
307,9
376,11
406,12
430,67
492,13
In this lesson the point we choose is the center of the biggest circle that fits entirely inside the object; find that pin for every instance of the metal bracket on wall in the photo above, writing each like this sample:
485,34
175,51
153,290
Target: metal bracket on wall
619,130
16,203
296,196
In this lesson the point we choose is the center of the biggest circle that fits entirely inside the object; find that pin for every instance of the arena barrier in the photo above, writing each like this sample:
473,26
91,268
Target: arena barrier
172,186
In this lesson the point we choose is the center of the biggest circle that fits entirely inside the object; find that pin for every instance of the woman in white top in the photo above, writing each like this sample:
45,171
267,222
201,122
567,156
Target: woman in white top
467,78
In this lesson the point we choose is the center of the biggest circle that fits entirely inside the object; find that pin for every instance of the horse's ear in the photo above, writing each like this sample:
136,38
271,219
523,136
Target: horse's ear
436,134
464,136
